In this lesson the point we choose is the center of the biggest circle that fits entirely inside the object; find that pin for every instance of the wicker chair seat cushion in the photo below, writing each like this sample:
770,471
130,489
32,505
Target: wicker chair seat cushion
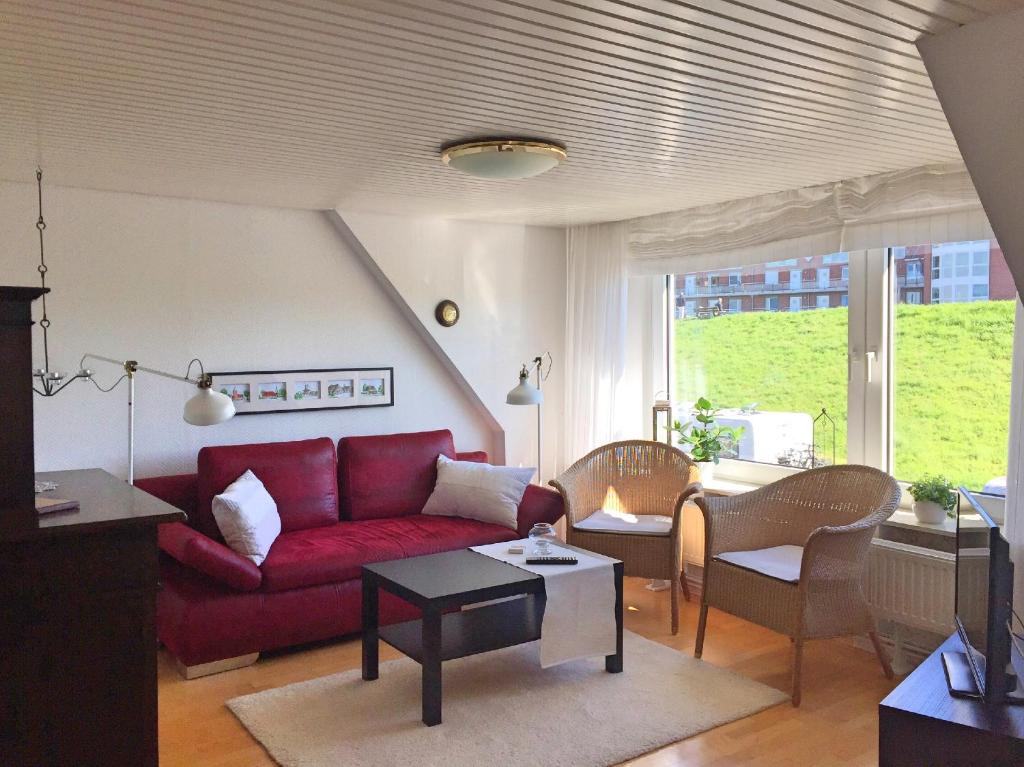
603,521
779,562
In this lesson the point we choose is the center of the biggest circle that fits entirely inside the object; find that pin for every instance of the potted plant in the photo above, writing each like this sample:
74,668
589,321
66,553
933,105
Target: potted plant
934,499
704,440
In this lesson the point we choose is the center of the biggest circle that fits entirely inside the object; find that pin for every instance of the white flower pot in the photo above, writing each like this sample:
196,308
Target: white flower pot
929,512
707,472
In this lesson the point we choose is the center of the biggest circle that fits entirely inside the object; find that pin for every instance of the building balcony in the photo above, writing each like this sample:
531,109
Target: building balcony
910,281
766,288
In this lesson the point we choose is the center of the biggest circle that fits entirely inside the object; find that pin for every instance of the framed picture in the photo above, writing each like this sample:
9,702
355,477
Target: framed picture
286,391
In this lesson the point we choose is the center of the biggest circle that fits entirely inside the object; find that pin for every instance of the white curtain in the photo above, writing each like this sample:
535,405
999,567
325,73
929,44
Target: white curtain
929,204
598,396
1015,468
935,203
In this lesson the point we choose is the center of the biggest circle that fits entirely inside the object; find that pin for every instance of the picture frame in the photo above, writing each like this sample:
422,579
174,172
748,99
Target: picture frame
294,391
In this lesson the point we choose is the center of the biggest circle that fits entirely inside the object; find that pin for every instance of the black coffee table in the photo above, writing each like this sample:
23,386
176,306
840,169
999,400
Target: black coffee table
440,584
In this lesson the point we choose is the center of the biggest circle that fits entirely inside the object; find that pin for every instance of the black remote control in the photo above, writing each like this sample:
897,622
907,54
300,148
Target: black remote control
552,561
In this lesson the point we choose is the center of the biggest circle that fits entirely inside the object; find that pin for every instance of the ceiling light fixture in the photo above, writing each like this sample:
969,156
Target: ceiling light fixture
51,382
504,158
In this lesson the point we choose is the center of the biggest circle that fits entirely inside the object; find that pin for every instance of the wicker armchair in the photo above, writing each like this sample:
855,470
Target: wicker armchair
832,513
638,478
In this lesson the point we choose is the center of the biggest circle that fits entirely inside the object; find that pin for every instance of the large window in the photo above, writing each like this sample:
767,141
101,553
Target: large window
772,372
915,380
952,360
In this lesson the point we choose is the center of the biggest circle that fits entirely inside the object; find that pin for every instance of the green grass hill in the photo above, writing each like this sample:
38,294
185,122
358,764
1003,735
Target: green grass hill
952,378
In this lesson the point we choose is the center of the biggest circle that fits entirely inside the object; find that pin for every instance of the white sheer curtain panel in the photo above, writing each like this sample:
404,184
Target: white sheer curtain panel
1015,467
597,388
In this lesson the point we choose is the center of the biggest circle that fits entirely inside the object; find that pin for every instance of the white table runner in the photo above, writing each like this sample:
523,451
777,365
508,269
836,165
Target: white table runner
579,618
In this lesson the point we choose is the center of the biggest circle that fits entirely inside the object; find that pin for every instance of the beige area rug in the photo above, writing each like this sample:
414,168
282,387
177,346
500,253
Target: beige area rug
501,708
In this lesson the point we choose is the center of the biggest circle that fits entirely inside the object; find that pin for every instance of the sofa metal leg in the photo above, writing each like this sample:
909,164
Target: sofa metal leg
216,666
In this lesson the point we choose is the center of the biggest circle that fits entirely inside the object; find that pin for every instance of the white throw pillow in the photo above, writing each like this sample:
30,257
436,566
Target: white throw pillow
247,517
478,491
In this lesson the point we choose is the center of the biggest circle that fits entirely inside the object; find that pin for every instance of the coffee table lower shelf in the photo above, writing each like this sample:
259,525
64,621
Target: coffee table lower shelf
473,631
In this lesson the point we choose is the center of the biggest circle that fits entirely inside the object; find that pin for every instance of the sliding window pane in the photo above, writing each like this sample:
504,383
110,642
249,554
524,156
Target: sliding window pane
748,345
955,305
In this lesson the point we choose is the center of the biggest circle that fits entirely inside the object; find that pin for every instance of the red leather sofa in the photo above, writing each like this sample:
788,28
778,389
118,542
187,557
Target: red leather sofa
339,510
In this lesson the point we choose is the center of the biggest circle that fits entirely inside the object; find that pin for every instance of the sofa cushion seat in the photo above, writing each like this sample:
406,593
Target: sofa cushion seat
423,534
334,554
319,555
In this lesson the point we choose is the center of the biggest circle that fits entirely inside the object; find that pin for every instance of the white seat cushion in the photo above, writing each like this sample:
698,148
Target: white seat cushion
780,562
620,522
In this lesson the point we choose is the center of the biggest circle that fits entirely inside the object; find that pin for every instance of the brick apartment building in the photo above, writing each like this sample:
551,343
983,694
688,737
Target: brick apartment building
925,274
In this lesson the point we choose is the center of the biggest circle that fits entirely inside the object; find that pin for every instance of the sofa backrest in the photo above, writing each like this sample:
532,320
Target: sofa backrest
301,477
390,475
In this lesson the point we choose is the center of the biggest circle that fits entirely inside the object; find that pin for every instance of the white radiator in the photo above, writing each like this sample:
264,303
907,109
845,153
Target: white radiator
911,585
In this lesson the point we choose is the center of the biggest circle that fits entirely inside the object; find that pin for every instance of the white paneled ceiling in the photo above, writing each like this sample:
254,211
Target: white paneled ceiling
663,104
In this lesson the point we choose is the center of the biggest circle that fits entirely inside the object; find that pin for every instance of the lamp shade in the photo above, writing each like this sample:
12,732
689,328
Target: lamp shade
525,393
208,407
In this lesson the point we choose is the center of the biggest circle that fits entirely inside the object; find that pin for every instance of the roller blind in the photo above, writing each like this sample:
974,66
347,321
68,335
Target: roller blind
935,203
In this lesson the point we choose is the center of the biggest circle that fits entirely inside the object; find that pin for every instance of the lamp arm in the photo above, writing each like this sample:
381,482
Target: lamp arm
131,366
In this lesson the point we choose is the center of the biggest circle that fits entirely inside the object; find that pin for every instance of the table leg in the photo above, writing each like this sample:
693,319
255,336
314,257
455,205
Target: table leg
613,663
371,645
431,667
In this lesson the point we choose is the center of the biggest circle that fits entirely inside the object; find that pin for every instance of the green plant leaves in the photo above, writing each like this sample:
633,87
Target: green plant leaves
704,439
935,488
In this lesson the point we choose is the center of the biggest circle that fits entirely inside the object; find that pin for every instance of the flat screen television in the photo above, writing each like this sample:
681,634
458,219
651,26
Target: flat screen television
984,609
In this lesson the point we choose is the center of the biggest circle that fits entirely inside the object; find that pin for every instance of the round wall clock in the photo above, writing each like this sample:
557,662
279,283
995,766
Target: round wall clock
447,313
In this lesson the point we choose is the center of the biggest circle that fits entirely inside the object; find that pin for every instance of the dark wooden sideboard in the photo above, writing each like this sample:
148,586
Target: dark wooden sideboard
77,628
920,723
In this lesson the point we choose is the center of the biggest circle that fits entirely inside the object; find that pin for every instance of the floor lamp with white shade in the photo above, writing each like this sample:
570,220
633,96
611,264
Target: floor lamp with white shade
528,394
205,408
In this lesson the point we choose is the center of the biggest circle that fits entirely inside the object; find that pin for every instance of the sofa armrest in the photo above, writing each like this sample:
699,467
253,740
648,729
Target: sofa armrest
179,490
539,504
215,560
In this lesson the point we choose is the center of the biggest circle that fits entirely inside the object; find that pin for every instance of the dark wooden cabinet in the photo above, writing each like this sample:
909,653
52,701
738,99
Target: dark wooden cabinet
78,629
920,723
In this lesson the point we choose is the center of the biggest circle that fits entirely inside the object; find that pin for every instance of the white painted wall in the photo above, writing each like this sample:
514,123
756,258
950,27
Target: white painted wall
509,282
977,73
244,288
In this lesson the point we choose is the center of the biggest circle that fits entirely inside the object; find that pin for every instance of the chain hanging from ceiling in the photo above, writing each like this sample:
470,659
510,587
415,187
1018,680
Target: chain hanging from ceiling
50,382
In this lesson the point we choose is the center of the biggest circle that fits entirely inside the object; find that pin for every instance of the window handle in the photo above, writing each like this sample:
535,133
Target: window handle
869,364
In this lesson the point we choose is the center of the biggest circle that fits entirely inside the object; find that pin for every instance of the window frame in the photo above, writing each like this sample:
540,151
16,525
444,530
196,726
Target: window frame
870,385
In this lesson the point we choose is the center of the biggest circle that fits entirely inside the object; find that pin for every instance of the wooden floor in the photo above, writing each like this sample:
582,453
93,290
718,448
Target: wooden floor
837,724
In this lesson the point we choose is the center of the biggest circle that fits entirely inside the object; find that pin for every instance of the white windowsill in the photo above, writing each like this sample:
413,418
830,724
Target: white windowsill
729,486
906,520
903,517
